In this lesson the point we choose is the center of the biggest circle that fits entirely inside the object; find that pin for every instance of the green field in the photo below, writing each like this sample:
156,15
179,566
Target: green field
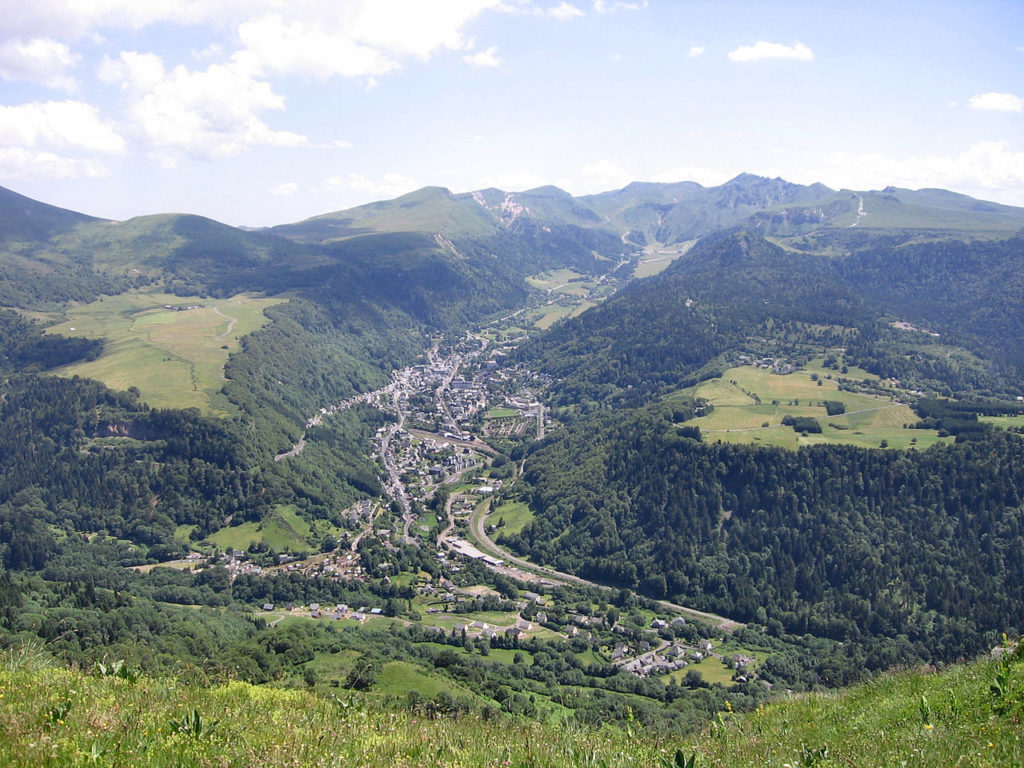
501,413
1003,421
175,356
548,281
711,669
283,530
654,264
58,717
870,421
397,678
516,515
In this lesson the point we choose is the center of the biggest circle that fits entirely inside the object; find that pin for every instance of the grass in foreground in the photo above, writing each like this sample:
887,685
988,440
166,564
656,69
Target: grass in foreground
966,716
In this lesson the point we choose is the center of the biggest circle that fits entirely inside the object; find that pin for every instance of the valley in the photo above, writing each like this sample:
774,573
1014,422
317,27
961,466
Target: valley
444,458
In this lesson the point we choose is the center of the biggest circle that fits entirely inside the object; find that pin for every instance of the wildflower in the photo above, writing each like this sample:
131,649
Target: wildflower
928,726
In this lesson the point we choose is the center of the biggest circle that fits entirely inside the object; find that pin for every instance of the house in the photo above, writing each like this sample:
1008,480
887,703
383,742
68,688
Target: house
678,622
675,651
268,606
659,624
314,607
479,625
515,633
572,630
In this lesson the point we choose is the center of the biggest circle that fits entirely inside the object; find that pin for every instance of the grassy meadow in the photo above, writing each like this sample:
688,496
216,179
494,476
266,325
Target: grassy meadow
173,354
283,530
750,404
967,716
516,515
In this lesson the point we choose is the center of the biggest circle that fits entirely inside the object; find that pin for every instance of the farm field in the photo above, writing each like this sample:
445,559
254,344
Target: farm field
172,348
1003,421
548,281
283,531
750,404
656,259
546,316
515,516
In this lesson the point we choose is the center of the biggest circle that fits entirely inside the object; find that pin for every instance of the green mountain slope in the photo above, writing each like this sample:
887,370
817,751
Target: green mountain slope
25,219
967,715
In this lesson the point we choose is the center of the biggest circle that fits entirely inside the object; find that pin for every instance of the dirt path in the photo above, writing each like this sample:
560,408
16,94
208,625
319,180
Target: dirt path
231,323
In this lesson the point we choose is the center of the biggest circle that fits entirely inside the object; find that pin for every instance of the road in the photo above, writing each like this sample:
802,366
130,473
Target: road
479,532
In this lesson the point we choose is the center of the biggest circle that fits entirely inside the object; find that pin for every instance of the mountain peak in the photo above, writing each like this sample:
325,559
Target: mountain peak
548,190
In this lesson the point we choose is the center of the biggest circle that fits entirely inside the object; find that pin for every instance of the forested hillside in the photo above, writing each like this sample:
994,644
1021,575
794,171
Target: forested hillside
737,293
908,555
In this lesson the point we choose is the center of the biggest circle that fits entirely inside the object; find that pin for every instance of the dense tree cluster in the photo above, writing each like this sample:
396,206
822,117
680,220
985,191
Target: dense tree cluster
837,541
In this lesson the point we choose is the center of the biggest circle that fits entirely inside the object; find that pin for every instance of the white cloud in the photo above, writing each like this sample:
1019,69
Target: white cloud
77,18
389,186
603,175
609,6
695,51
39,60
988,169
762,50
201,114
998,102
354,38
564,11
413,27
488,58
707,177
288,189
357,38
23,163
513,181
280,46
341,144
64,124
140,72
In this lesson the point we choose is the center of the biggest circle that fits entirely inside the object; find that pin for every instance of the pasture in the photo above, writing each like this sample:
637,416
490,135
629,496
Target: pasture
283,530
511,519
750,404
172,348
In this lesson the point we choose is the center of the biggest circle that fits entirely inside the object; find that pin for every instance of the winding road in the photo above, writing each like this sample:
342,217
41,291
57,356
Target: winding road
479,533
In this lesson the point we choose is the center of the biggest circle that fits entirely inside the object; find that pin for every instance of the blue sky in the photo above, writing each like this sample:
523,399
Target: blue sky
259,112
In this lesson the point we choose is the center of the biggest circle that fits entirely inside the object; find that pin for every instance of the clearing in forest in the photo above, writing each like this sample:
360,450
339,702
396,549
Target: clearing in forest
172,348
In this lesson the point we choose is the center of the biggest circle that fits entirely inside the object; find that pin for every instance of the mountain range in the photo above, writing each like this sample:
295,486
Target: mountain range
791,405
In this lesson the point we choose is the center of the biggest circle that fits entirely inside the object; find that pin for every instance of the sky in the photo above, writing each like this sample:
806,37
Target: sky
262,112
